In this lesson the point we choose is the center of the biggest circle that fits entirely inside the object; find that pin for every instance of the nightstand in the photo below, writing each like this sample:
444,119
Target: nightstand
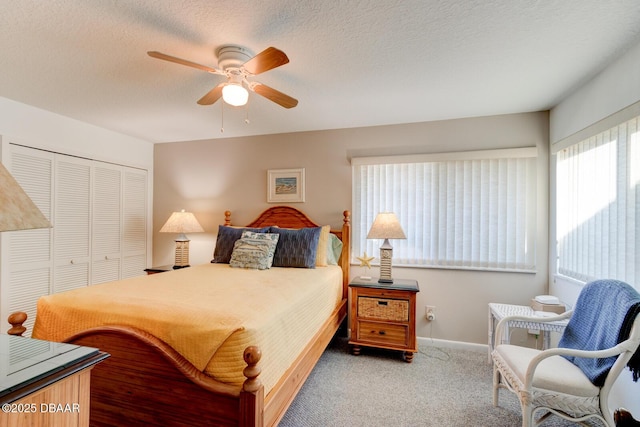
161,269
383,315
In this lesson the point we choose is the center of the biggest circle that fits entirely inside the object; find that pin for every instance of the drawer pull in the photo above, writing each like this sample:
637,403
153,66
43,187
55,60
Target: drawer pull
383,303
382,332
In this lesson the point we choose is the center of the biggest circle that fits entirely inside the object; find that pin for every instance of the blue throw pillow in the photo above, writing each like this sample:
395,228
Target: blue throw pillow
296,248
227,237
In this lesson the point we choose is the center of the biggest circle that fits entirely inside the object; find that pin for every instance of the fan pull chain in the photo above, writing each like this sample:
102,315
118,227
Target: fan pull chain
246,119
222,117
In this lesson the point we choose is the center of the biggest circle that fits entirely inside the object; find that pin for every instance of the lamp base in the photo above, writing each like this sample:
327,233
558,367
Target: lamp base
386,253
182,254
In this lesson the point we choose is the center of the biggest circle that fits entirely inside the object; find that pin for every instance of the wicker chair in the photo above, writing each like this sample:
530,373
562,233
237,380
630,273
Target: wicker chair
547,382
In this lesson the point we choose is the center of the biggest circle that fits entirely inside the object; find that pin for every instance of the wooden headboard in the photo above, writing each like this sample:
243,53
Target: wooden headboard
288,217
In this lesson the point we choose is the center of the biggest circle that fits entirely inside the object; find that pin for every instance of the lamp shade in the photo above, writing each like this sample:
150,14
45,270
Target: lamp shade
386,226
182,222
17,210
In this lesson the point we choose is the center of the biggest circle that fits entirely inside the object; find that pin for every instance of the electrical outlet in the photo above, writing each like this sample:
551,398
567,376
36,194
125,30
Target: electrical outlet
430,312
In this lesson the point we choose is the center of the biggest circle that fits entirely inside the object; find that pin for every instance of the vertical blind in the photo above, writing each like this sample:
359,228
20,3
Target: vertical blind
598,206
472,211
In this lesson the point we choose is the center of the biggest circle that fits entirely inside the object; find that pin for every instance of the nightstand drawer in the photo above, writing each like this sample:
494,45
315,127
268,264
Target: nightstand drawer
383,333
383,309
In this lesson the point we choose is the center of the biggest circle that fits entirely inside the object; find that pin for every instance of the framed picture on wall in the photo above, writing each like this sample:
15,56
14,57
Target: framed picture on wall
285,185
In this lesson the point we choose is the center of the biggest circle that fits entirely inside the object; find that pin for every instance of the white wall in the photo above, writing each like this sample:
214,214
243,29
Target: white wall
617,87
42,129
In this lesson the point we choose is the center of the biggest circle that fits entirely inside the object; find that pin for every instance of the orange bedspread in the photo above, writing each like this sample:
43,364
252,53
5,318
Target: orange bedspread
208,313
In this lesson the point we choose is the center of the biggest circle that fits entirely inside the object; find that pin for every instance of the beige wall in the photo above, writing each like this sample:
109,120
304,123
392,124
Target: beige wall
209,177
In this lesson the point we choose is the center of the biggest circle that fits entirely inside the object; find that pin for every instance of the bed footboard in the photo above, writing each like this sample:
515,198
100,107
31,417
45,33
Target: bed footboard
146,382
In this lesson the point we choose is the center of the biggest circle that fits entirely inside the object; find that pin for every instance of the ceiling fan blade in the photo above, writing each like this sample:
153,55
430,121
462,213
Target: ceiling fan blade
180,61
266,60
273,95
212,96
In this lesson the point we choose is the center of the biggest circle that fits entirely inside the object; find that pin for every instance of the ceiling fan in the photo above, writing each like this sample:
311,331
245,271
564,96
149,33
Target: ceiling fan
236,64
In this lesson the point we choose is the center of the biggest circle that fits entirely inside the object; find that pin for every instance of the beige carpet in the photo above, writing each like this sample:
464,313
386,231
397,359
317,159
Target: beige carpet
442,387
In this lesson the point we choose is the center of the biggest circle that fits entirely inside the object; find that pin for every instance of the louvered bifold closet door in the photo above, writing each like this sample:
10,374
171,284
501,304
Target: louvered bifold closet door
134,255
72,227
106,224
28,273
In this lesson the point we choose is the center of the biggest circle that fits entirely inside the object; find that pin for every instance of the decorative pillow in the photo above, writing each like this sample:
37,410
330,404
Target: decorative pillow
254,250
227,237
296,248
321,255
271,237
334,249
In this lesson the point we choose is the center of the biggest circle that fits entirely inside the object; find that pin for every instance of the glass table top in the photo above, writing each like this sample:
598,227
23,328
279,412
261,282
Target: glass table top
26,360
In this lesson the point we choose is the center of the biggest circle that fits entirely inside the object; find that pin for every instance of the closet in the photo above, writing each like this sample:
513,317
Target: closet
99,215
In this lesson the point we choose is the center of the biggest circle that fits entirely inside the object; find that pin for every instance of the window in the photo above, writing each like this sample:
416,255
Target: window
598,206
473,210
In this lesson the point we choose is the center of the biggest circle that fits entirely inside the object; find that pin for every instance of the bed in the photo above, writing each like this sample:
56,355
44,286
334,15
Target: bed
151,380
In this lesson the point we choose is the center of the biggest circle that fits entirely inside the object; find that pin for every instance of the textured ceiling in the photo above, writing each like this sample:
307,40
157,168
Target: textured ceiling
353,62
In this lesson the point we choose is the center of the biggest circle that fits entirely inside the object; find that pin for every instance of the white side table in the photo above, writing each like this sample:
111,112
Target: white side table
499,311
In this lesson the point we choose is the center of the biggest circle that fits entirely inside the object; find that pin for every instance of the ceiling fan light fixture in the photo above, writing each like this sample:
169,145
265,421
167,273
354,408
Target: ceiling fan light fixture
236,64
234,94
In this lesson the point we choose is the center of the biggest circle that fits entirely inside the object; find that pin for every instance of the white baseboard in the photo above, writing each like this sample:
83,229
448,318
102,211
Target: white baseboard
434,342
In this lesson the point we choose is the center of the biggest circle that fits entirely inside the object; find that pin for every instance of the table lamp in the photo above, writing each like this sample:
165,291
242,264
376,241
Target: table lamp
182,222
386,226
